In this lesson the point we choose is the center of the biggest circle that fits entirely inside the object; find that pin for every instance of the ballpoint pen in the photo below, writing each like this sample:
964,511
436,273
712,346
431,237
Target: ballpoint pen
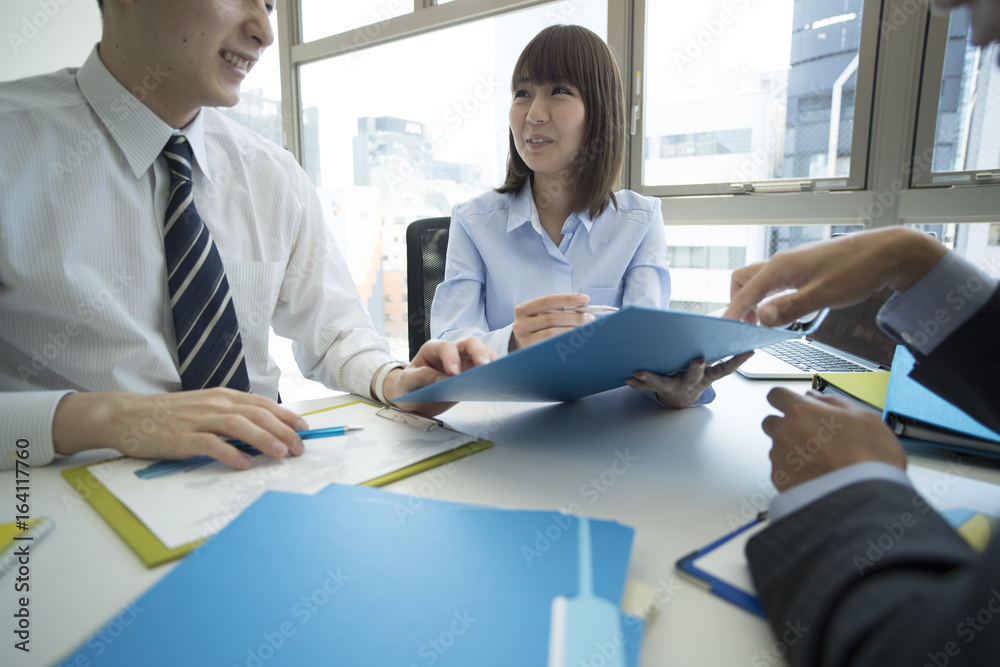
598,310
163,468
316,433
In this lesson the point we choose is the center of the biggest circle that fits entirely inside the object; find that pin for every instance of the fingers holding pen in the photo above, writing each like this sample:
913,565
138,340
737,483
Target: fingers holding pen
547,316
177,425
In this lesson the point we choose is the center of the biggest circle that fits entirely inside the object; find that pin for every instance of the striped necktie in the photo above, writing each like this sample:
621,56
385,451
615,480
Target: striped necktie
209,347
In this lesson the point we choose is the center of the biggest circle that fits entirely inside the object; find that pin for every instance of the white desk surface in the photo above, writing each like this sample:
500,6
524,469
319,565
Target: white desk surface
689,471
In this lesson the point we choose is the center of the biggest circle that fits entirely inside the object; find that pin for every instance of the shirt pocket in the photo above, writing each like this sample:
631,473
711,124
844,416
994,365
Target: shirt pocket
255,287
604,296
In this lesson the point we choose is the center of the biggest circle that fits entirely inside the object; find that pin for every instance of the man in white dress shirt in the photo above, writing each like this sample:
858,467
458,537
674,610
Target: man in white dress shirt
88,353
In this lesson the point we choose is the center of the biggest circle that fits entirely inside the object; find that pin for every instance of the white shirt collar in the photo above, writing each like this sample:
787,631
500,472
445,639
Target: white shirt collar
195,133
139,133
523,211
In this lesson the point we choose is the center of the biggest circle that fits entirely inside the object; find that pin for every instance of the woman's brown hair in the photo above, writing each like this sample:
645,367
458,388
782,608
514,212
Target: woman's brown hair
574,55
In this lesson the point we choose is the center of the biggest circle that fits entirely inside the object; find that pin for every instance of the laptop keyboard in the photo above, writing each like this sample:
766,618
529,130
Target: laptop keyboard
808,358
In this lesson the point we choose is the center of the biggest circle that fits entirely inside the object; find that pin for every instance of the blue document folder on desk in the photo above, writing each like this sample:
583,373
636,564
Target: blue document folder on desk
916,413
601,355
360,576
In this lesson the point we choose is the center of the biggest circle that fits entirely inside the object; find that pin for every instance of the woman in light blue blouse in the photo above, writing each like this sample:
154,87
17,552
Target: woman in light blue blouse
556,236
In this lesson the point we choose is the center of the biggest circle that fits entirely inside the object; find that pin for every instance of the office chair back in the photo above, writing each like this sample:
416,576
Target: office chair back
426,247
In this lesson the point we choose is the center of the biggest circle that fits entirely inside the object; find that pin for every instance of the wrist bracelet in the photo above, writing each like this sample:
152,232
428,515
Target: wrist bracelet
383,373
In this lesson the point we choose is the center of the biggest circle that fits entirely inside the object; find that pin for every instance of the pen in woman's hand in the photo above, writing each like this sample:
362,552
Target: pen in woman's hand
597,310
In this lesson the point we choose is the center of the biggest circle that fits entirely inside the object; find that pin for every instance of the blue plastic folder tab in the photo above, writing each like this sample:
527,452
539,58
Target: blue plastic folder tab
361,576
601,355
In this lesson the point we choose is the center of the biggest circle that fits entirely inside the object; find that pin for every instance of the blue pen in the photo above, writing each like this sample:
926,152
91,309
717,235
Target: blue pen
317,433
164,468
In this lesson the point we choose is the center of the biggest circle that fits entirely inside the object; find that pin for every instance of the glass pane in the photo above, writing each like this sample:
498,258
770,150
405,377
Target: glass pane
738,91
427,133
322,18
260,95
703,257
967,134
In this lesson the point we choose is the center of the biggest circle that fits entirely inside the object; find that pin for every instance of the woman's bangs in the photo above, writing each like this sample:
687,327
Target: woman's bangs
551,59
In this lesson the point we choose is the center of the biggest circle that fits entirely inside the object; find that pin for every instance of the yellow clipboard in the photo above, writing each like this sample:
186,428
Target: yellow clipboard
153,552
14,536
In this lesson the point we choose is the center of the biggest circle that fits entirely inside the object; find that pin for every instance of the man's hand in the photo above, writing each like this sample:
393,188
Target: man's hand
541,318
436,360
177,425
819,434
683,389
831,274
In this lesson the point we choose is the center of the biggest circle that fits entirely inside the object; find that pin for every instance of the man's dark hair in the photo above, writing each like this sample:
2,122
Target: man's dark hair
100,5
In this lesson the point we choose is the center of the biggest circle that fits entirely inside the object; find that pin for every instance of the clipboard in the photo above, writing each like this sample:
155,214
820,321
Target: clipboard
152,552
712,565
970,506
599,356
12,537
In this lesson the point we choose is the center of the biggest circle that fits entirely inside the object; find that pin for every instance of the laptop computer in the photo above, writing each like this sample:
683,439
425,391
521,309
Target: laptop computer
847,341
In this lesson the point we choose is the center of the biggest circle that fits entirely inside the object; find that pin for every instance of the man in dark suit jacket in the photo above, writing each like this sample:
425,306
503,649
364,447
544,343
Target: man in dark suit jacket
855,567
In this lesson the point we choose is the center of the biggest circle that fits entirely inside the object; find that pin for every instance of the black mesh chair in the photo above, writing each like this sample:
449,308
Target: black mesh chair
426,247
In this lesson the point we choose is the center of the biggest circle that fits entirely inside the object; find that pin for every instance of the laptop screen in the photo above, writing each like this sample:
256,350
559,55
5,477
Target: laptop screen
853,330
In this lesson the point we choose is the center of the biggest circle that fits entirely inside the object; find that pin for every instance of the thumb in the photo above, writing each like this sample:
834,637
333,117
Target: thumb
787,308
781,310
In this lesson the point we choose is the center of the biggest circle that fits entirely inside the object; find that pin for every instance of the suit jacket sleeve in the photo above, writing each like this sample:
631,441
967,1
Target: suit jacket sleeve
965,368
871,575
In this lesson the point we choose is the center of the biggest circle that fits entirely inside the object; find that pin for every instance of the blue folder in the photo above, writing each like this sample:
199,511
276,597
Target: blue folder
359,576
916,413
601,355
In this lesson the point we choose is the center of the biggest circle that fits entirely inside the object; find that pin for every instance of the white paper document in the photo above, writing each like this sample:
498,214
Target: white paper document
188,506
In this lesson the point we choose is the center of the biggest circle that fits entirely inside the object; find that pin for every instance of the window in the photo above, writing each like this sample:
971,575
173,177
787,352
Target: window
759,125
702,258
713,257
958,140
322,18
734,92
415,143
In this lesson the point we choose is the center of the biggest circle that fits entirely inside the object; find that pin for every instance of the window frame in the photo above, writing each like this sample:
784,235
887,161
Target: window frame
934,56
426,17
855,180
908,41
